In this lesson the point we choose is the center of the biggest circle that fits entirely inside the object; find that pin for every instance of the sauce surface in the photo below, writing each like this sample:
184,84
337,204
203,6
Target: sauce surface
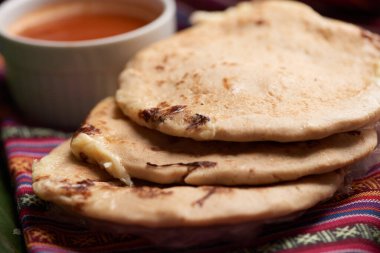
83,27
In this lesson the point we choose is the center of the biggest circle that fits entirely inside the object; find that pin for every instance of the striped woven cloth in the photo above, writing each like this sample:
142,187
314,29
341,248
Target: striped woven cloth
350,222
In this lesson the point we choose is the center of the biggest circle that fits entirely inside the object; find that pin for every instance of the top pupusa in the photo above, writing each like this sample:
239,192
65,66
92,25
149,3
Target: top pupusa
267,70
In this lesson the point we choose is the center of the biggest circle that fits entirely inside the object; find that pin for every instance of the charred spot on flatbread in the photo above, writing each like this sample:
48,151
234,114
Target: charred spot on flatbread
87,129
209,192
79,188
157,115
198,164
197,120
260,22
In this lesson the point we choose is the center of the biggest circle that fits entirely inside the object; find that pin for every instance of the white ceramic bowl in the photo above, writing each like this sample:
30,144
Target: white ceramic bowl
57,83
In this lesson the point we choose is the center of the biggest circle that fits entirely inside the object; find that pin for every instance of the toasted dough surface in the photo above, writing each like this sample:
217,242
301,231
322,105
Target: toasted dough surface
267,70
114,142
89,191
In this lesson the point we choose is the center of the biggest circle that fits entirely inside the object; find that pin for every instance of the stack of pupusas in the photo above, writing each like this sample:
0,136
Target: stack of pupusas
251,115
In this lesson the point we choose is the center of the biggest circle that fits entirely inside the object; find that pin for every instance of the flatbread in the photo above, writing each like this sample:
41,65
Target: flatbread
125,150
267,70
88,191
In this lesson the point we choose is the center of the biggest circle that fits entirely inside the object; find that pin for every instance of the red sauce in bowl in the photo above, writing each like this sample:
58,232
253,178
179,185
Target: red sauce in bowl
85,26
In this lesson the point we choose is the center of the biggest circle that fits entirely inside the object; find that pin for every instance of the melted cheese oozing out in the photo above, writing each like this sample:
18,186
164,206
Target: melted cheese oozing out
98,153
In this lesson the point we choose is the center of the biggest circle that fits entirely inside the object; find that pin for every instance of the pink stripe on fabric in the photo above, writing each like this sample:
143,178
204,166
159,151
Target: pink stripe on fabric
47,248
42,140
343,221
34,148
24,189
45,150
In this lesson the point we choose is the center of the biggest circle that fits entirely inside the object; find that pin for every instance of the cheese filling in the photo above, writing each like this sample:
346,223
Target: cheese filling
93,151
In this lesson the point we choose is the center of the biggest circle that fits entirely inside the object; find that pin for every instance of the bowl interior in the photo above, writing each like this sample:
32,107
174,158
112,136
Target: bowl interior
17,15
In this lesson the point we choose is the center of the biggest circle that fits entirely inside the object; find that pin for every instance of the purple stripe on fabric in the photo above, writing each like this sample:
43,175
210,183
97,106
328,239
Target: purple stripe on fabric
38,144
